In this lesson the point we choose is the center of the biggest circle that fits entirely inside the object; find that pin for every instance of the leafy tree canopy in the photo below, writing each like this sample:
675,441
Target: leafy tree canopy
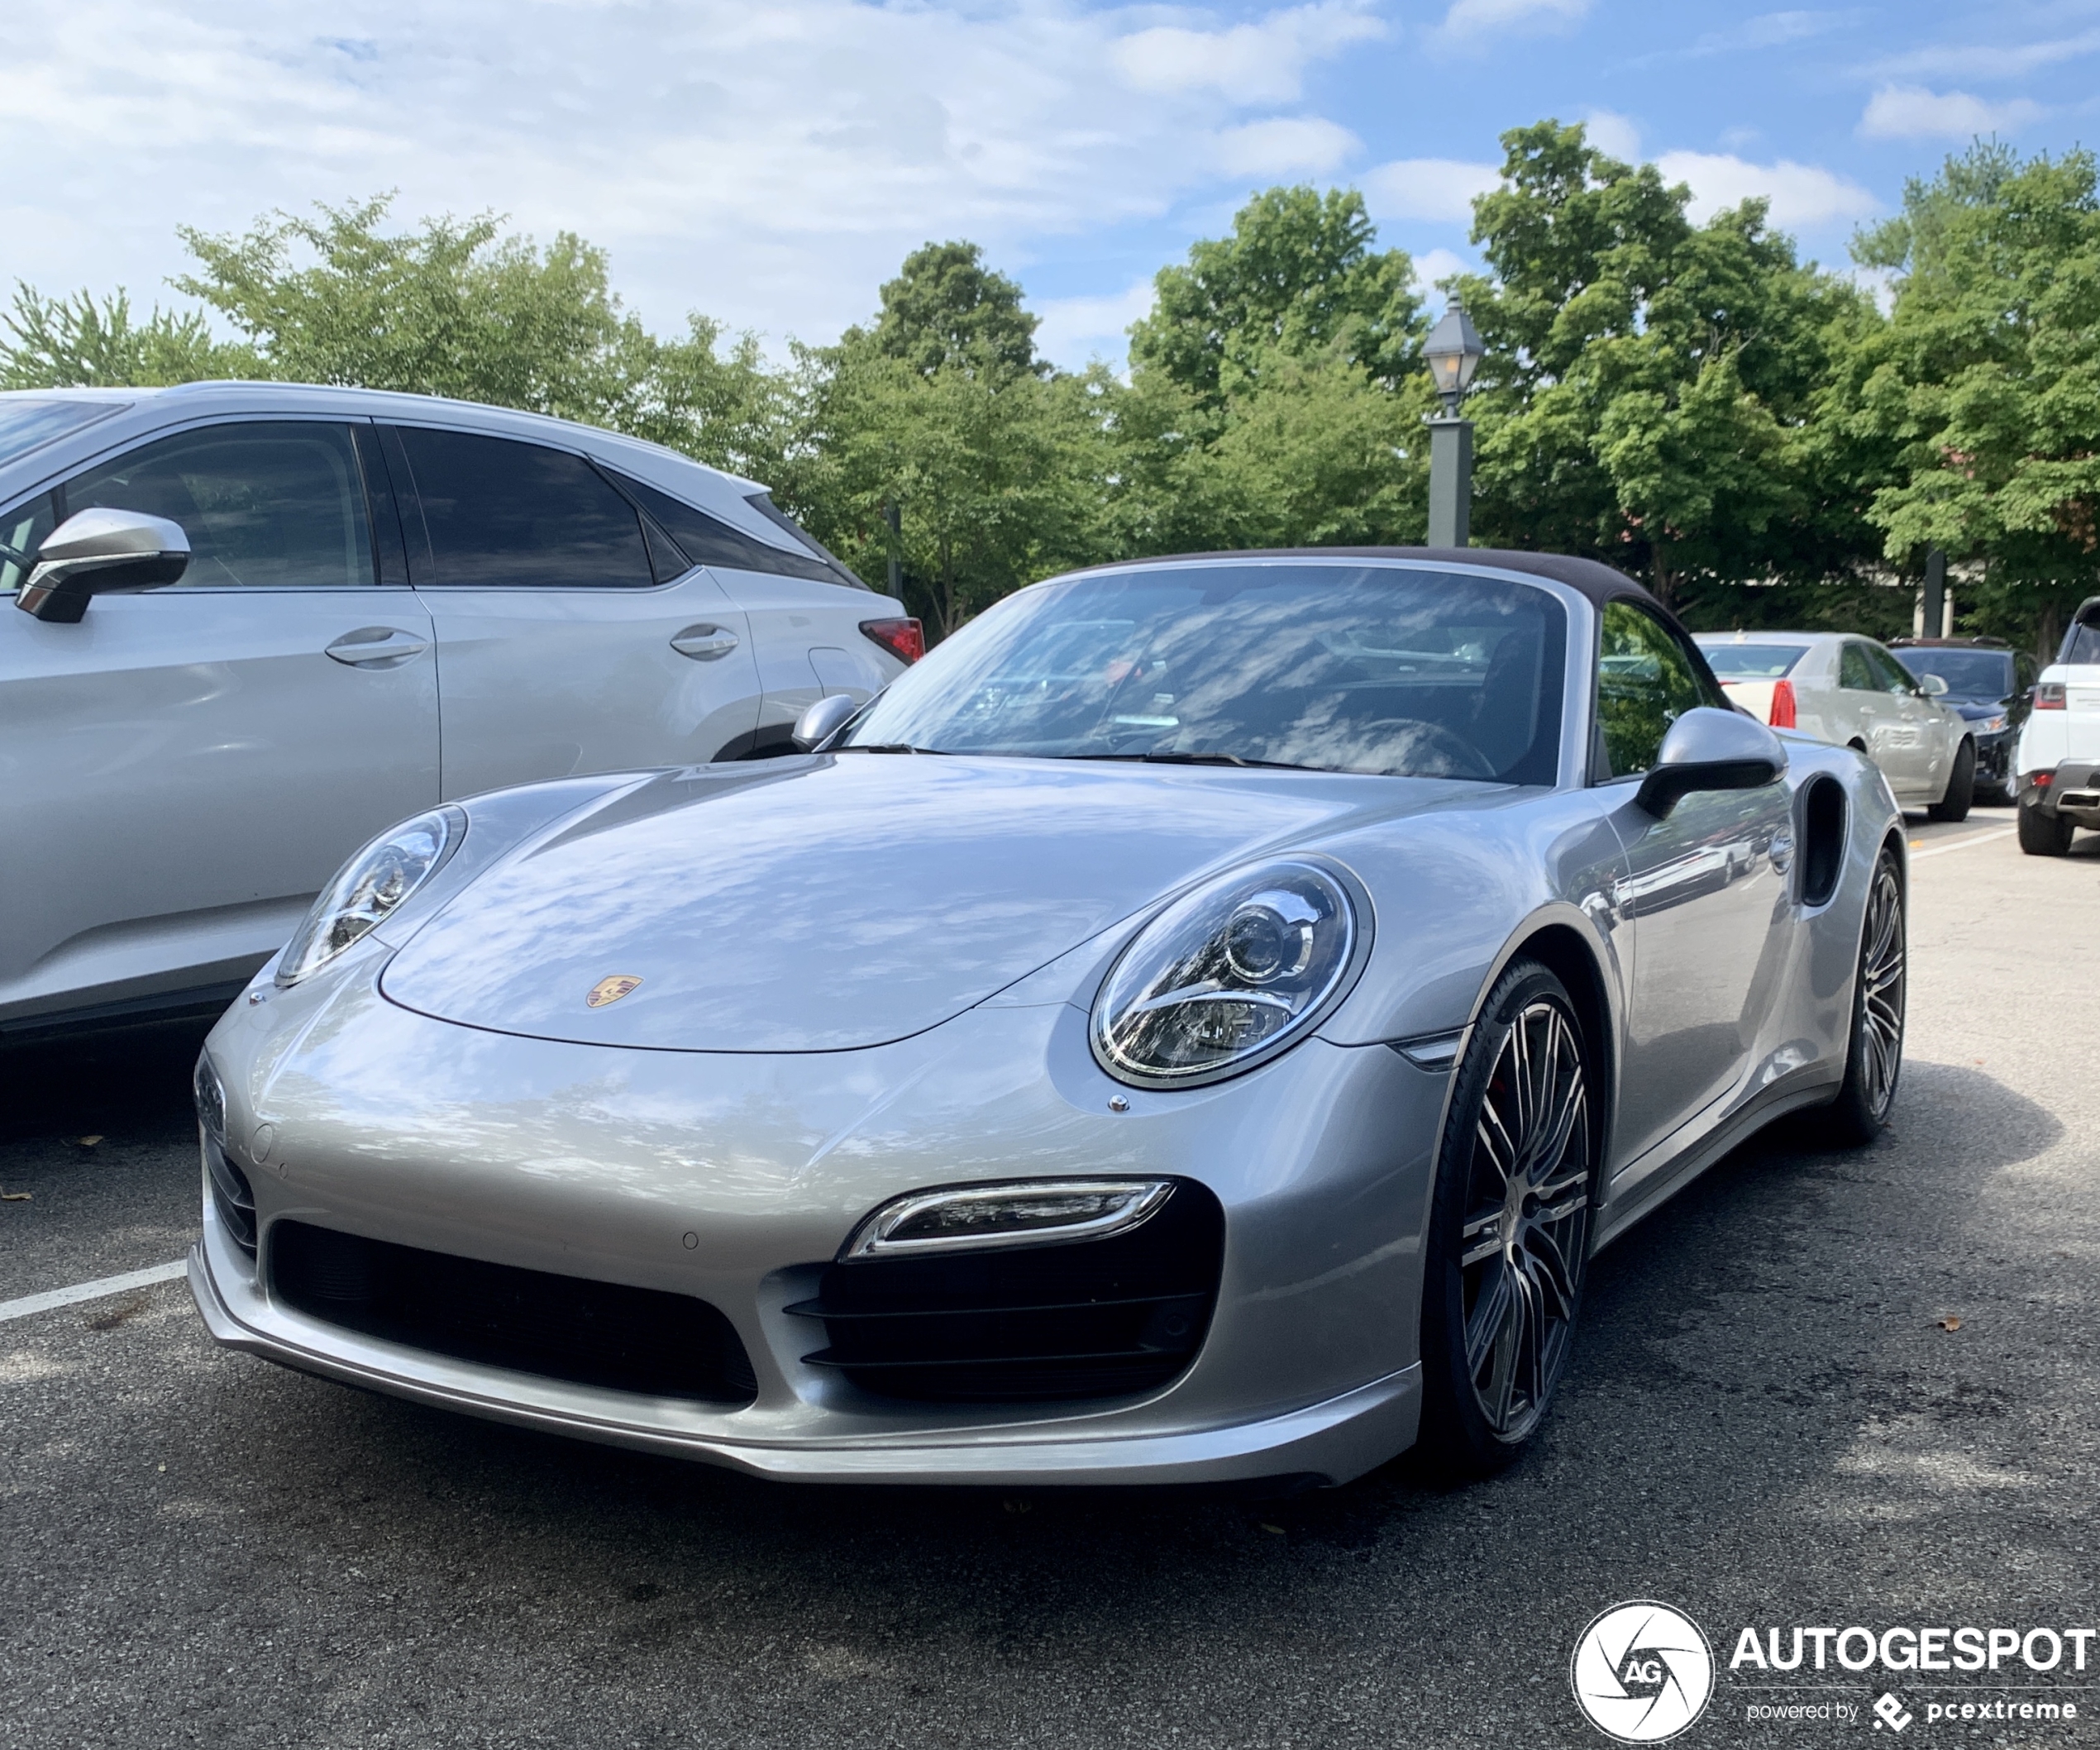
1297,278
946,307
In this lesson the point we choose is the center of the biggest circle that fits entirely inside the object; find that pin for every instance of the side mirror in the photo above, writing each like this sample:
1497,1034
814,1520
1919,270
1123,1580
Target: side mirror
98,550
1707,749
1933,686
822,720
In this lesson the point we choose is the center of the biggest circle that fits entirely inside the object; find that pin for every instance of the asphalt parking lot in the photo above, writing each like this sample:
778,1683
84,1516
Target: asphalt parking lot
1820,1388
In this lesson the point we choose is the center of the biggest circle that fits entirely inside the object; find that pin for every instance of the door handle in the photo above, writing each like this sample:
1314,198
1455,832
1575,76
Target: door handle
704,643
377,647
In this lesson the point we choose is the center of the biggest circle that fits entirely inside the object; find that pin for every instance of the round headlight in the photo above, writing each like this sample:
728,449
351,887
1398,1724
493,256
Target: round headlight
1227,976
369,888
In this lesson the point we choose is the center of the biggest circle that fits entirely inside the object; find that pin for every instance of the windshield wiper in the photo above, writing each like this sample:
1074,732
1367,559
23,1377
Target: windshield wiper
1194,759
883,747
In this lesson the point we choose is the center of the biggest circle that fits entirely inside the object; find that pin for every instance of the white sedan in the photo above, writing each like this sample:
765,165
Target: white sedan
1844,688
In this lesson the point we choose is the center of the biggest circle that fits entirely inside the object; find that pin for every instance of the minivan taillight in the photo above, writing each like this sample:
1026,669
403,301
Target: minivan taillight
2049,696
904,638
1781,715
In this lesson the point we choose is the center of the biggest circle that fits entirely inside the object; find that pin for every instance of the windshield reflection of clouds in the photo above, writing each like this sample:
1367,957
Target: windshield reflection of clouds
1370,669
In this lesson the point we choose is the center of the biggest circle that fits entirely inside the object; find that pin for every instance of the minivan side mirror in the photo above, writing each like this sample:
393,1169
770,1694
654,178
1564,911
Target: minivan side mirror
1933,686
1707,749
101,549
822,720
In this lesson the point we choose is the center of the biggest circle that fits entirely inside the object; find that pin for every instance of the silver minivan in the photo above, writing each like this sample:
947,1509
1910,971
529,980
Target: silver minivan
389,601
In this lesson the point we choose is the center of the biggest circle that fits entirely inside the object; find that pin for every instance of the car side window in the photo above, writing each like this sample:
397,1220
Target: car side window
505,515
1891,676
269,504
24,528
1855,673
1645,682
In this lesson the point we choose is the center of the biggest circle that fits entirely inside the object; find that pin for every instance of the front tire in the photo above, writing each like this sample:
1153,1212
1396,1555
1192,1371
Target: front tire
1880,991
2043,835
1961,787
1509,1236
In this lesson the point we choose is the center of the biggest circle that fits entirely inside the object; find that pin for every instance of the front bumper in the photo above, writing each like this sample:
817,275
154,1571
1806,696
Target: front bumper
2072,791
734,1178
1994,759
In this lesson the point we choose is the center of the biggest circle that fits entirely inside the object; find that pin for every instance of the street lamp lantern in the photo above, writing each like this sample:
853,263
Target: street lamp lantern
1454,350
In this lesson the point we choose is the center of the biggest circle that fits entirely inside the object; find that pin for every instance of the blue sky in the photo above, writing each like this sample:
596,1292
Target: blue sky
769,164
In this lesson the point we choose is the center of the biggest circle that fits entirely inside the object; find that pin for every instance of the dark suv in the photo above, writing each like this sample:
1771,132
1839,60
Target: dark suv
1991,685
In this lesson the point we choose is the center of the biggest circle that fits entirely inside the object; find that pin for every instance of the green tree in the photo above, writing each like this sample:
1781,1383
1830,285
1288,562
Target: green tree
946,307
1652,386
87,342
1985,381
1297,279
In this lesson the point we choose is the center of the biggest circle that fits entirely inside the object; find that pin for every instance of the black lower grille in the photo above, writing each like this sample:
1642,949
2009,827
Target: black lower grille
1096,1319
565,1328
232,1196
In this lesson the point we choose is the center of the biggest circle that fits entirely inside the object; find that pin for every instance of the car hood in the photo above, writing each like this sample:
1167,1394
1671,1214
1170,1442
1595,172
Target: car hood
825,903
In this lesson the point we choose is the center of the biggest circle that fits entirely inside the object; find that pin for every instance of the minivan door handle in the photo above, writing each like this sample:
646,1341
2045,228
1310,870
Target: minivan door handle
377,647
704,643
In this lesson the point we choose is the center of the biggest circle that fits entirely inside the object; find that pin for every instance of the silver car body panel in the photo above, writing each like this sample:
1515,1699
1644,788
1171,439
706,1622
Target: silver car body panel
423,1092
185,768
1912,737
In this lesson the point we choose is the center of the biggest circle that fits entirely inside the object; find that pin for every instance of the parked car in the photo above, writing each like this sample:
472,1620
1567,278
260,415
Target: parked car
1990,683
1841,688
2059,761
262,623
1309,960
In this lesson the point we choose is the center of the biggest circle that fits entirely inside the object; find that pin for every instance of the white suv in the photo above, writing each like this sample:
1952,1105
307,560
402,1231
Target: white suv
2059,761
262,623
1841,688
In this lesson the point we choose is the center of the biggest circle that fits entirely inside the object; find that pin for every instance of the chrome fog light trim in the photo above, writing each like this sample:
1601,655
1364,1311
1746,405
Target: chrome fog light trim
1034,1212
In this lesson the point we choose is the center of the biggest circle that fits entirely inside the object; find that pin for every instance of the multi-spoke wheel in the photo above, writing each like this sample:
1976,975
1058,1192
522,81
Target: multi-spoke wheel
1510,1228
1875,1059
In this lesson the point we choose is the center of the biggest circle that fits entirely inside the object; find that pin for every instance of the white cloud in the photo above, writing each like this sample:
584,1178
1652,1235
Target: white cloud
1285,146
1427,188
1613,135
1989,60
1074,330
1432,264
1249,63
1477,18
1800,193
1912,112
769,164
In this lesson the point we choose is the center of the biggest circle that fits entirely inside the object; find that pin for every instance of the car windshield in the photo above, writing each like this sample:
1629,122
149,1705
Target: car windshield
1968,674
1752,661
27,421
1354,668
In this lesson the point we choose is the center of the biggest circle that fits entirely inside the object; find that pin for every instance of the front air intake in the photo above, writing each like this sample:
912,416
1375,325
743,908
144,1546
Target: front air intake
1090,1319
232,1197
531,1321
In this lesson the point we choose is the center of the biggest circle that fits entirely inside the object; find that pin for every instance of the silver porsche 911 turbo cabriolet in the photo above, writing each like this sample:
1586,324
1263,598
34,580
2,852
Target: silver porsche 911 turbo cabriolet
1195,1026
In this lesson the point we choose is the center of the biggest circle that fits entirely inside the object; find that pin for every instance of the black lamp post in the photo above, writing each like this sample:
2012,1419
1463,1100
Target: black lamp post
1453,350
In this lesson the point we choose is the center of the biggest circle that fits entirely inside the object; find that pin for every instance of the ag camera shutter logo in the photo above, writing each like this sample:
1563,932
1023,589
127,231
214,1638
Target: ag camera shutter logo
1641,1672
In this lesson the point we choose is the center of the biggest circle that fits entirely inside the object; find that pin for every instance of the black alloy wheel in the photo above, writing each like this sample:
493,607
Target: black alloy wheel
1509,1226
1961,787
1875,1059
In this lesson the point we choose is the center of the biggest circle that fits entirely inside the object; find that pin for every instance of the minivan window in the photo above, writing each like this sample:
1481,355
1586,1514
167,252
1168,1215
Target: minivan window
505,515
708,541
272,504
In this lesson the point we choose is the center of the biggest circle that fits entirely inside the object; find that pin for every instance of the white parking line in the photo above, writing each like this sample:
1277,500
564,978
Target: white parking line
1964,842
94,1291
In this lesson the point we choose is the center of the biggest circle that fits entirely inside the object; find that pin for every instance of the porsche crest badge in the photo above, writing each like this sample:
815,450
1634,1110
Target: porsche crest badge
610,989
